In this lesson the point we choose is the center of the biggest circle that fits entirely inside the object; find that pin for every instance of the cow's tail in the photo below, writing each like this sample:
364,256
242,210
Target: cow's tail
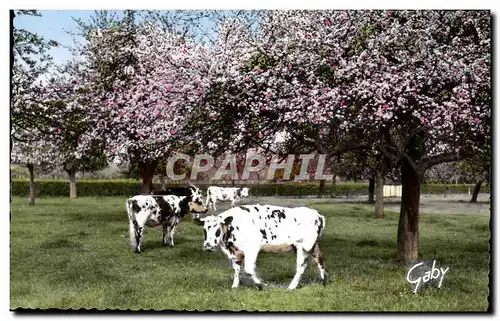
322,222
133,235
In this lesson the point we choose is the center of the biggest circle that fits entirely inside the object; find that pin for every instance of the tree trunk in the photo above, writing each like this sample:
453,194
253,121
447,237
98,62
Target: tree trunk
31,169
147,170
371,190
162,181
379,199
321,191
72,183
334,187
408,237
477,188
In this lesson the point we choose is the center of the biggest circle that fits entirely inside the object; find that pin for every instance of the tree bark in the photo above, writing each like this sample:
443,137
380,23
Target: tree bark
408,235
72,183
475,193
31,169
334,187
379,199
162,181
147,171
371,190
321,191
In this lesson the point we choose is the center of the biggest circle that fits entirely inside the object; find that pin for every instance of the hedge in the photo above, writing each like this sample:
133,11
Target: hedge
120,187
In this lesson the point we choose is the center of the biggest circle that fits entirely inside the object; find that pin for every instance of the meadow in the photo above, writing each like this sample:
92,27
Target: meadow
72,254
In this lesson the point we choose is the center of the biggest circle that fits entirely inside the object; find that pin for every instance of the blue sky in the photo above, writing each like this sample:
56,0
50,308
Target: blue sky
54,25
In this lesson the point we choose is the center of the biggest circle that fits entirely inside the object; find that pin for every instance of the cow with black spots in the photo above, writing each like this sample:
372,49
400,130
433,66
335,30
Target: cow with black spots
190,190
225,194
242,232
153,211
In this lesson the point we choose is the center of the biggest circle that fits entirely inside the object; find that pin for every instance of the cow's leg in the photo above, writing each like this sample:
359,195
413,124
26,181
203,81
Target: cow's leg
166,234
172,231
138,235
302,261
213,205
319,259
208,199
236,262
250,260
134,245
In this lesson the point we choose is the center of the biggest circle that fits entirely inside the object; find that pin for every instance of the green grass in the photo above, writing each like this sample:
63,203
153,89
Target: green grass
74,254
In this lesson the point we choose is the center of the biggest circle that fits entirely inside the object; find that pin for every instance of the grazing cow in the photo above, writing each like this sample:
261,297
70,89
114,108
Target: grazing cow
156,210
181,191
242,232
225,194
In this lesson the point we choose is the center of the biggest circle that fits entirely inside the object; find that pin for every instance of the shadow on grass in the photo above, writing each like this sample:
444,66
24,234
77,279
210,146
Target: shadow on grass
60,243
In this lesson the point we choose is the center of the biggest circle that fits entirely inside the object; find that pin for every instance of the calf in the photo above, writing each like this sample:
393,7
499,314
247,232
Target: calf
153,211
242,232
225,194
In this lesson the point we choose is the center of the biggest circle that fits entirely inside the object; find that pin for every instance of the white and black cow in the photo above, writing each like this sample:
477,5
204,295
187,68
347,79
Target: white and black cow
159,210
225,194
242,232
181,191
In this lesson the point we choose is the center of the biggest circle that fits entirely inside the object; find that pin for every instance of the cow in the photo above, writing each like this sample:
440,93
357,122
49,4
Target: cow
225,194
181,191
242,232
159,210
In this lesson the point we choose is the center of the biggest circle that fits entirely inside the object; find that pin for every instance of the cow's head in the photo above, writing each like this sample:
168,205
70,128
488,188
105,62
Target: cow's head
245,192
214,229
195,204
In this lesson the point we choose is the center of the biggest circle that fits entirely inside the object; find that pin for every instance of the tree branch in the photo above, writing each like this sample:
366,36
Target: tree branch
429,161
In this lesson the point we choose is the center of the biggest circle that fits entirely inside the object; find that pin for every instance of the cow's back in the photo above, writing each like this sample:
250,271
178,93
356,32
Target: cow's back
177,191
275,224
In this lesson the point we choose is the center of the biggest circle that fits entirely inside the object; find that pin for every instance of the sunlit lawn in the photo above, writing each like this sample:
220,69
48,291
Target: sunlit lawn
74,254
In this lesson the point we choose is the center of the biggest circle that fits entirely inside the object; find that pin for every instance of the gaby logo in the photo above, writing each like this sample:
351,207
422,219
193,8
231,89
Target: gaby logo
425,273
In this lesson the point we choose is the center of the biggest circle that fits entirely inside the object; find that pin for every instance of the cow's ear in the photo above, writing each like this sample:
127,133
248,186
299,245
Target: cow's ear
228,220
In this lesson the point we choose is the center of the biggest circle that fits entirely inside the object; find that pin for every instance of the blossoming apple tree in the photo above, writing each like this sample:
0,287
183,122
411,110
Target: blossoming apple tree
142,114
68,97
414,85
